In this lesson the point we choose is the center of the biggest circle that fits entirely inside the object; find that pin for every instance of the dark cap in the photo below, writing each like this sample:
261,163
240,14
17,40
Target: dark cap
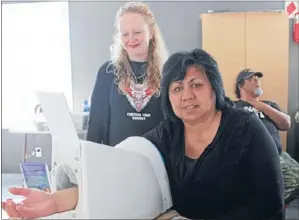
246,74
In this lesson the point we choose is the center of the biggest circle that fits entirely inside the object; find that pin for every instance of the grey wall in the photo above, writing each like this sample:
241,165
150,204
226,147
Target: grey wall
14,145
91,30
12,151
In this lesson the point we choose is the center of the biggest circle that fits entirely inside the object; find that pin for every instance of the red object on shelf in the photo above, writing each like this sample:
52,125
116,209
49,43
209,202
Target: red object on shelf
291,8
296,28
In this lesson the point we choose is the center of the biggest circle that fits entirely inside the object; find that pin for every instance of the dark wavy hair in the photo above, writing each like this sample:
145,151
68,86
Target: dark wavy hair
237,89
175,69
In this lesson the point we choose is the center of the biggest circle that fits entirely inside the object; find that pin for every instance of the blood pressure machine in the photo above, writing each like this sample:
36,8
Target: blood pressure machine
128,181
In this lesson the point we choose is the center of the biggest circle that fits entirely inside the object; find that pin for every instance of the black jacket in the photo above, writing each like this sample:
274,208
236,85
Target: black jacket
237,177
113,116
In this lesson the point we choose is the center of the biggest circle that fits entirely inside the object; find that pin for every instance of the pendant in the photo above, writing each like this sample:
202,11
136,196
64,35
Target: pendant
139,95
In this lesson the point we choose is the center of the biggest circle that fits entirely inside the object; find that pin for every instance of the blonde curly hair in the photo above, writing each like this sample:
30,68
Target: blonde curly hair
157,52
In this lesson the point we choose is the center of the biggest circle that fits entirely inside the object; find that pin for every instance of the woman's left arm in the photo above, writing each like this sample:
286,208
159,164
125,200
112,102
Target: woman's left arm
265,176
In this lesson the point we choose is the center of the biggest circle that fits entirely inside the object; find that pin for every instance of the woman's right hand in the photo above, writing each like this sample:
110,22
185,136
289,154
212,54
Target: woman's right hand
36,204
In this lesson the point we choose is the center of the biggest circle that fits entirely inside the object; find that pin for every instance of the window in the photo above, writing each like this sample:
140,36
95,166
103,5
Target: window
35,57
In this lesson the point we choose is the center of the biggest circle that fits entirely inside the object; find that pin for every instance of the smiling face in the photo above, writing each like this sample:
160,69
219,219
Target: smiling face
192,98
135,35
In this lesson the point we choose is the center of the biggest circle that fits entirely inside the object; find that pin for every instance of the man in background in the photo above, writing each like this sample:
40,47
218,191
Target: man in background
248,90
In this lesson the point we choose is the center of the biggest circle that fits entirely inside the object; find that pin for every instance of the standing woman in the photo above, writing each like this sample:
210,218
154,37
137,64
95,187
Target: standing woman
125,100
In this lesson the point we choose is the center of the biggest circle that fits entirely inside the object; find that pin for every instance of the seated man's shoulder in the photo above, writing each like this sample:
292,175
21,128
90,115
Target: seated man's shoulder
271,103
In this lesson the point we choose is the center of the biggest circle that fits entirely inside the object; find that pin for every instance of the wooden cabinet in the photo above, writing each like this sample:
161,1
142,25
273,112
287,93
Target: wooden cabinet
256,40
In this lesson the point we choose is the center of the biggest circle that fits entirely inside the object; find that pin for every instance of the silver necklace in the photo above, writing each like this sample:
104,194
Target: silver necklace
136,78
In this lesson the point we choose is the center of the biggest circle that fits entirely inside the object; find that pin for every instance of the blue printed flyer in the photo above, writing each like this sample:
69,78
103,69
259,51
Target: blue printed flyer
36,175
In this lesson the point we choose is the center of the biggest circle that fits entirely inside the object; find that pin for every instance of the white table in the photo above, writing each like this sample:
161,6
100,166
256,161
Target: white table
9,180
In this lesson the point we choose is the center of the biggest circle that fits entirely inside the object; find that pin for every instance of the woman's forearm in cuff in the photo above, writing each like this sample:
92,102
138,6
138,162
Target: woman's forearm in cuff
66,199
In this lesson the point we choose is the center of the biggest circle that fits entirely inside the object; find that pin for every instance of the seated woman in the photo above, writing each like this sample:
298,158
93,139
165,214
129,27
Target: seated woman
221,161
